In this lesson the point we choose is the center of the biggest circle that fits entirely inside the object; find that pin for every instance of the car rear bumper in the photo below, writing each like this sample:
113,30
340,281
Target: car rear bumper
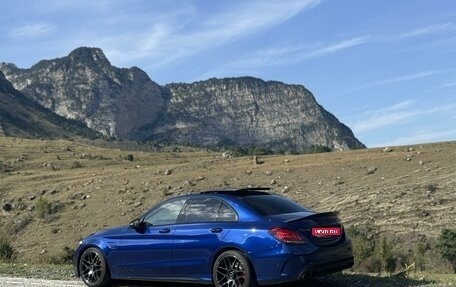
313,269
289,265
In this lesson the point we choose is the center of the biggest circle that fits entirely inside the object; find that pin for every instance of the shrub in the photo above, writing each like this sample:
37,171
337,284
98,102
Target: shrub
7,251
67,255
63,257
19,224
421,246
319,149
431,187
385,252
371,264
76,164
43,208
252,150
129,157
363,245
371,253
446,246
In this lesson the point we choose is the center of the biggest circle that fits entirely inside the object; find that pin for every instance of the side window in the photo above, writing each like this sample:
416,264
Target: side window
226,213
202,210
165,213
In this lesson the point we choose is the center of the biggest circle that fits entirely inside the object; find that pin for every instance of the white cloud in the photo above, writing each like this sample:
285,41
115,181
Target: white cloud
175,38
383,119
443,86
431,29
294,53
422,137
398,114
285,55
399,79
334,47
32,30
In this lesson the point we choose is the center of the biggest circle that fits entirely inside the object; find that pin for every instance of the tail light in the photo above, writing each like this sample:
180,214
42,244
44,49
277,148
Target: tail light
286,235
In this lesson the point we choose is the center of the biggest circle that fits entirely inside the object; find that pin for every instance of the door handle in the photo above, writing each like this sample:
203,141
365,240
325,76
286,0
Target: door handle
216,229
164,230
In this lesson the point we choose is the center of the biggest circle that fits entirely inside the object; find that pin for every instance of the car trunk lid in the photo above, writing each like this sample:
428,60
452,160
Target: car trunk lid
305,221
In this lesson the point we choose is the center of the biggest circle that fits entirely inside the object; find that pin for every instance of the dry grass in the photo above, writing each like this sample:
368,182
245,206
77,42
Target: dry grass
97,187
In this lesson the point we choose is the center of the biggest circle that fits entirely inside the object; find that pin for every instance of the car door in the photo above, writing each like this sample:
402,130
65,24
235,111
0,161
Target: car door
205,221
146,251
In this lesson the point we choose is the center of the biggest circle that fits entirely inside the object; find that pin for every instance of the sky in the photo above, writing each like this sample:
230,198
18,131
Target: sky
385,68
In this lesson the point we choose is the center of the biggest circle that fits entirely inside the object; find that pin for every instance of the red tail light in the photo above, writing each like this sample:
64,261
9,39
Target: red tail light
286,235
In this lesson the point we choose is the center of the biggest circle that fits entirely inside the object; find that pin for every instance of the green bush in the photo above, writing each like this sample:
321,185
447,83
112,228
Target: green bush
129,157
386,256
63,257
319,149
43,208
67,255
76,164
419,253
372,253
389,253
363,246
252,150
19,224
371,265
7,251
446,246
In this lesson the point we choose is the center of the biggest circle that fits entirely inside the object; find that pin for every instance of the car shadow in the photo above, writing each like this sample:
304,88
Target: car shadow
359,280
122,283
336,280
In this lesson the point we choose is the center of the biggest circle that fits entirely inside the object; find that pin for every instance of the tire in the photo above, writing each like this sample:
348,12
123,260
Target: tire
93,269
232,269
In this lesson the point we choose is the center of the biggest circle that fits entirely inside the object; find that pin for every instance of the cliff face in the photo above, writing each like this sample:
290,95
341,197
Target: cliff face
126,104
86,87
22,117
248,112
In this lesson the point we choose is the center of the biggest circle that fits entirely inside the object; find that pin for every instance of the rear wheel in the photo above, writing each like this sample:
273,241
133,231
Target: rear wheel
93,268
232,269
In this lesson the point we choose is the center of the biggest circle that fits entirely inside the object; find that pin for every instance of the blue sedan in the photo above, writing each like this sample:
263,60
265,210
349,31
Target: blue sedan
228,238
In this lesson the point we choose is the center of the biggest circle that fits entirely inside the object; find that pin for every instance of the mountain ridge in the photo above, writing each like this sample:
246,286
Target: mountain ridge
126,104
20,116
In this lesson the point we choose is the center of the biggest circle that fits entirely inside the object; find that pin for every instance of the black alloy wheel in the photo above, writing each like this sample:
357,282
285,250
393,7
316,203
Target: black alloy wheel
93,268
231,269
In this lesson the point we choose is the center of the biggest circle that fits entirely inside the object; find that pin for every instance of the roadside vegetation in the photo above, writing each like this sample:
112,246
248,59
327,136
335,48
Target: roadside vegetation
397,255
7,252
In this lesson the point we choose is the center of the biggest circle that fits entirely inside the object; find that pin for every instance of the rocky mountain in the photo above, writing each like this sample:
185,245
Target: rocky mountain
22,117
84,86
248,112
126,104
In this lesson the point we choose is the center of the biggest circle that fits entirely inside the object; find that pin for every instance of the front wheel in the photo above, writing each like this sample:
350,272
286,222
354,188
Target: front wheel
231,269
93,268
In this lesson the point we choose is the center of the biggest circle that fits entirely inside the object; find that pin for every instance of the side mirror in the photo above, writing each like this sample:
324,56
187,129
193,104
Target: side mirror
135,223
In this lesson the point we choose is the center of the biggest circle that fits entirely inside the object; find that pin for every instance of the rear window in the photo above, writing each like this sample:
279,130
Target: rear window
272,204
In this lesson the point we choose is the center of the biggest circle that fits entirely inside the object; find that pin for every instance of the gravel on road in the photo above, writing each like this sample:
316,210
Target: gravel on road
26,282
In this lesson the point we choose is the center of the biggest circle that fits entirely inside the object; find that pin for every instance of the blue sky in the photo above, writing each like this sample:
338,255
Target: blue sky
385,68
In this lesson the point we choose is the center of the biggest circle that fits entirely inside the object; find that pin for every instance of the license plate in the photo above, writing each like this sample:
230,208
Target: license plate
325,231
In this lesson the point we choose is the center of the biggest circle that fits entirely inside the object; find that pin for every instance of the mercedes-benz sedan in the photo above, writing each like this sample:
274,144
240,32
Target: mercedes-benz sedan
237,237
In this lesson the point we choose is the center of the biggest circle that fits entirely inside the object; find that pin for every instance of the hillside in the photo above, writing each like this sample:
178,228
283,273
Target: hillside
22,117
408,191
